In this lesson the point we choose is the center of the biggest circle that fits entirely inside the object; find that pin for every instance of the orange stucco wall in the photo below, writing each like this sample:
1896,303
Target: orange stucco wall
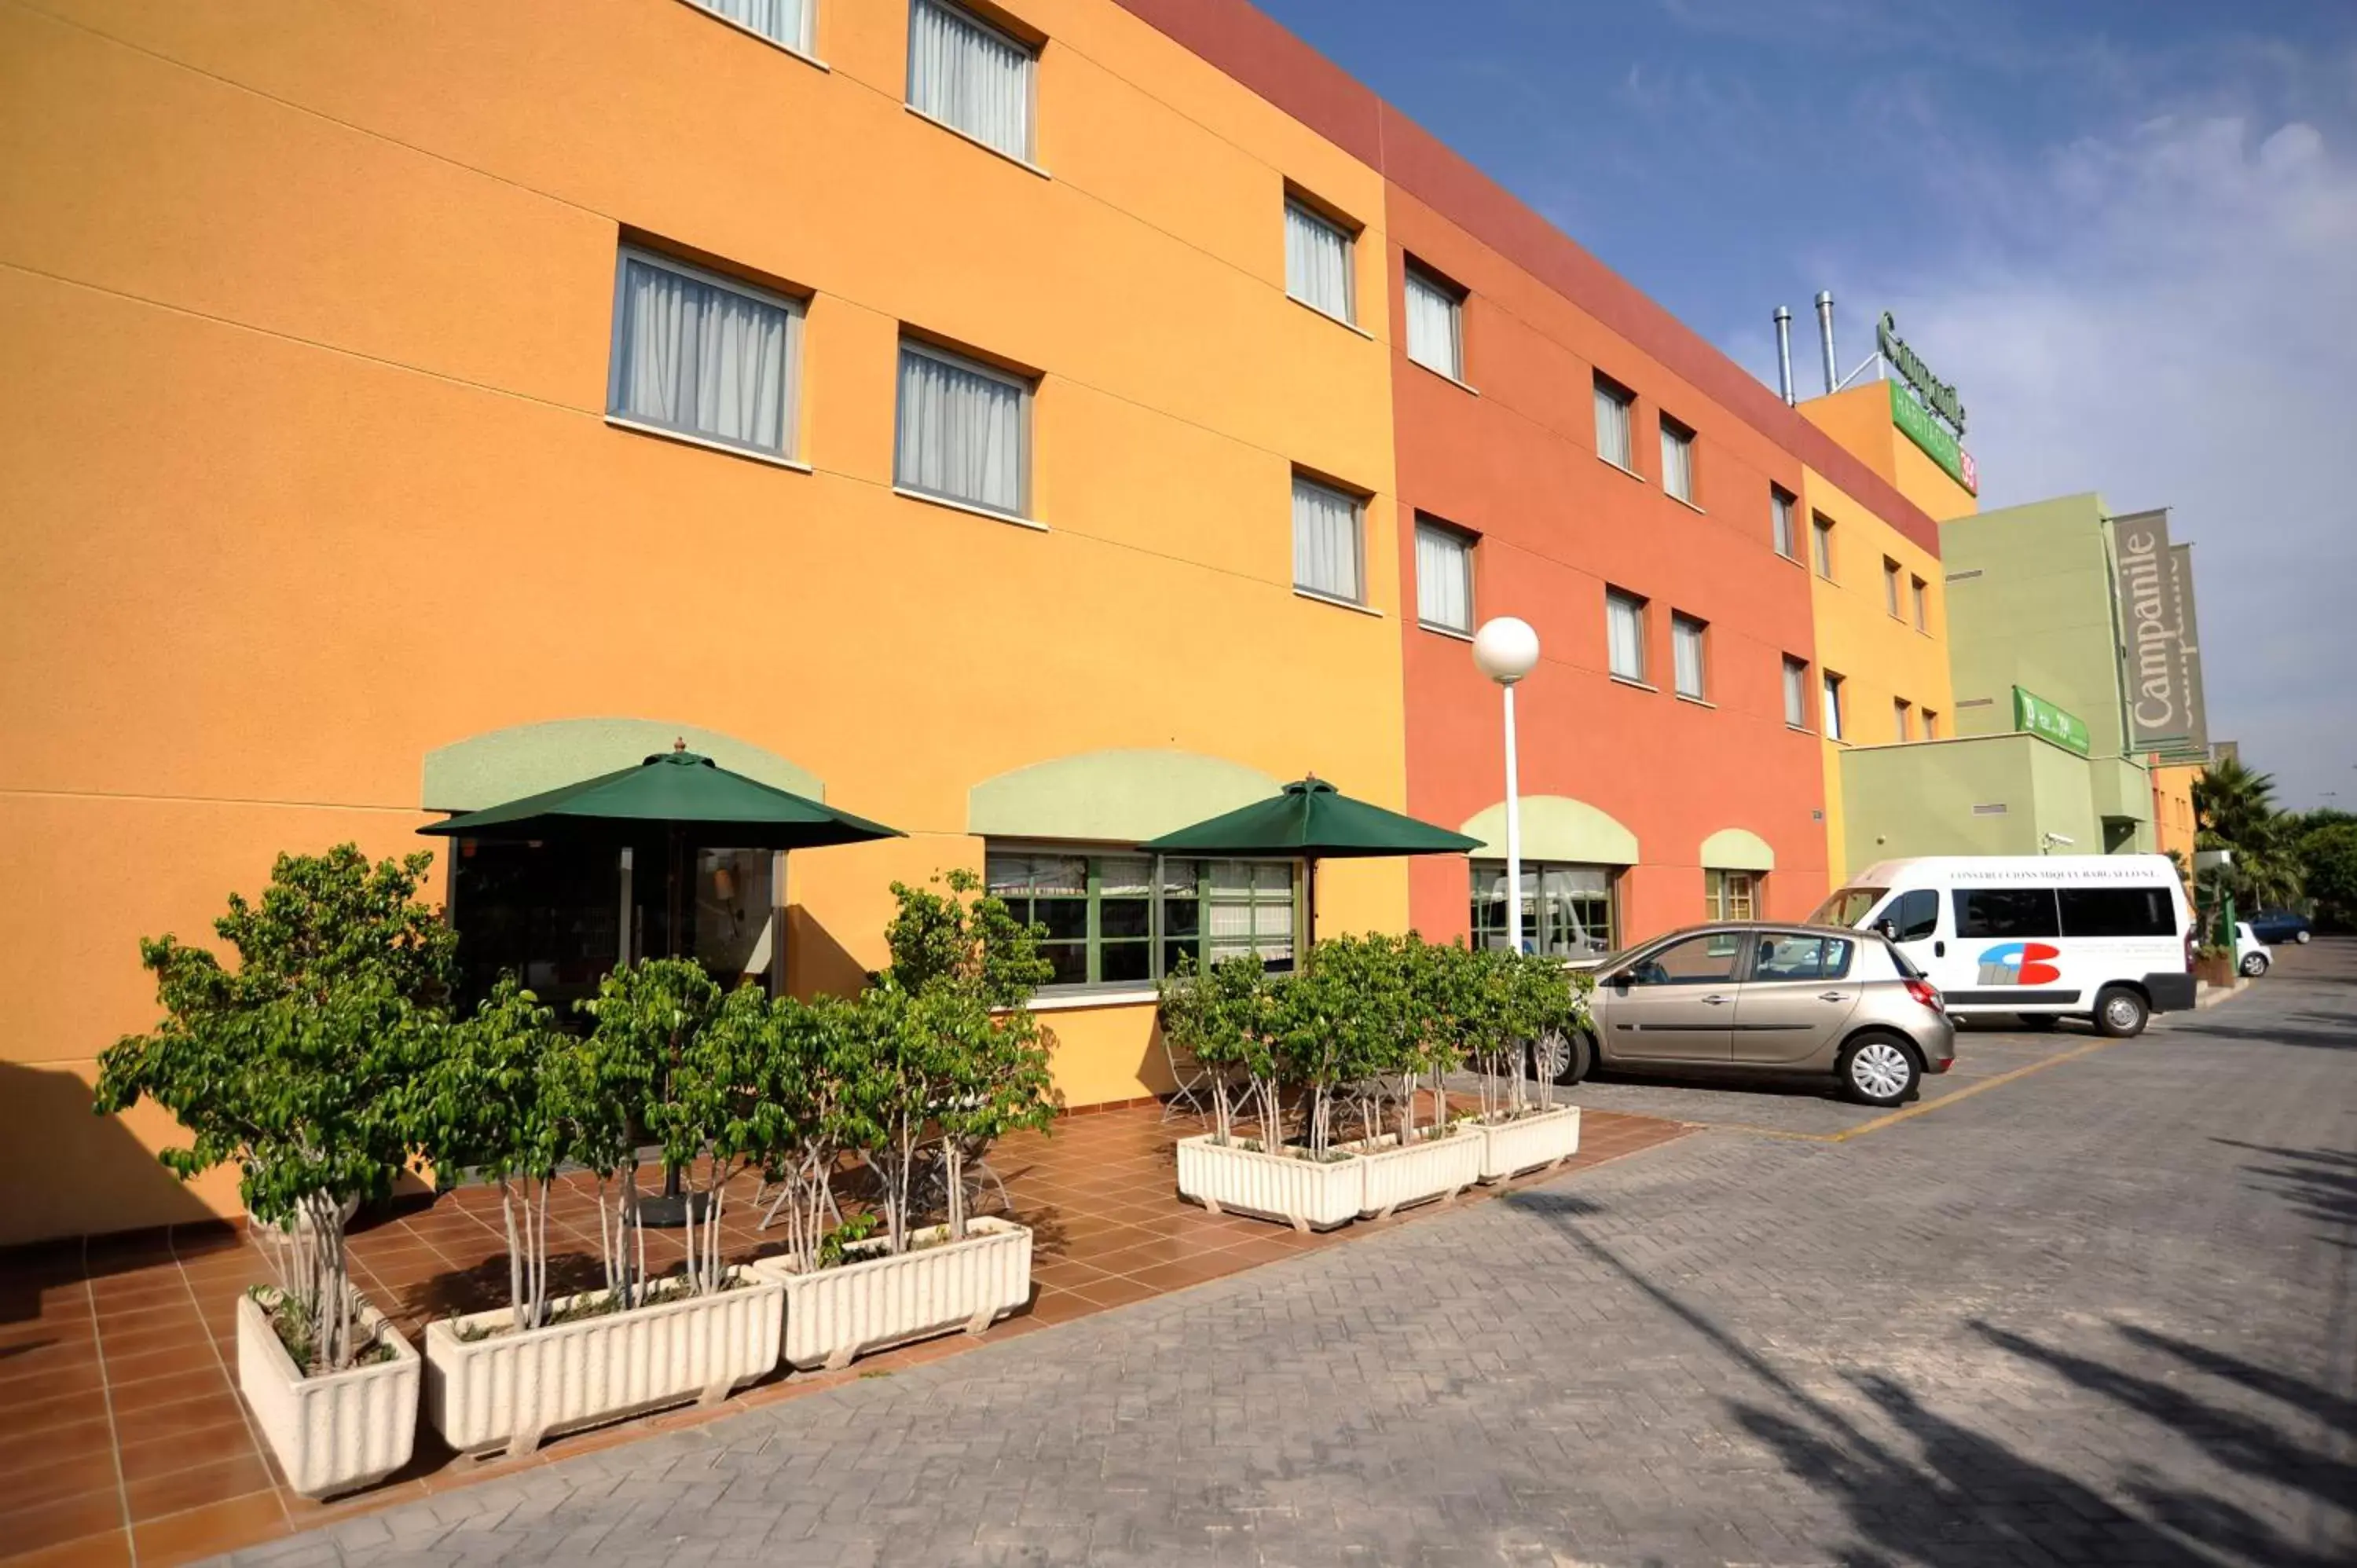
1858,418
2174,826
305,460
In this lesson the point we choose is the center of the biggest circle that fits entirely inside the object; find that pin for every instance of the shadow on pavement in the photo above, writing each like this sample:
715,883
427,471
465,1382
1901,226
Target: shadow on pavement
2339,1032
1964,1498
2318,1184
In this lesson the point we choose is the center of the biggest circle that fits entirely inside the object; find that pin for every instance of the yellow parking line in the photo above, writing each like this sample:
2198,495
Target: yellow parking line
1880,1123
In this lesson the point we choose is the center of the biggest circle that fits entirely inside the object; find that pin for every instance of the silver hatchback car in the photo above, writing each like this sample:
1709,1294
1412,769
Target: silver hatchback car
1756,994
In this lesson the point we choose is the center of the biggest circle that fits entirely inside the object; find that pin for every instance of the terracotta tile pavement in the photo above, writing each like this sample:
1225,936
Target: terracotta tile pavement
118,1354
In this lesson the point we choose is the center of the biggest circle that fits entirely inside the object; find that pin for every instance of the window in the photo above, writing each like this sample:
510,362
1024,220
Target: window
1687,646
1890,585
786,21
970,76
2117,912
1816,958
1832,707
1922,604
963,431
2006,912
1782,504
1613,442
1797,692
1677,459
1902,715
1624,624
1822,528
1444,577
1730,894
1436,325
1930,725
1914,916
703,355
1697,961
1318,261
1568,911
1325,542
1128,919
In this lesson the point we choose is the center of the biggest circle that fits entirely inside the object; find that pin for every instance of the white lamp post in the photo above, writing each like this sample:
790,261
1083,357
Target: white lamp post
1506,648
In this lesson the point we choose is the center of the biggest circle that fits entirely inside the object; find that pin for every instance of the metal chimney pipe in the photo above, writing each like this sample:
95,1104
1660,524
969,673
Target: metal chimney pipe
1825,336
1785,353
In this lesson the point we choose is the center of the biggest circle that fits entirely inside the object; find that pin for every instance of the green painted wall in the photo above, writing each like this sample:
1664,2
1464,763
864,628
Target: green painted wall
2030,604
1919,799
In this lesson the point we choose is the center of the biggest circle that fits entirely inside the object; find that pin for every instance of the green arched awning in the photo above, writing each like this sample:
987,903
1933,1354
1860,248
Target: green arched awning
1120,796
1737,849
1557,827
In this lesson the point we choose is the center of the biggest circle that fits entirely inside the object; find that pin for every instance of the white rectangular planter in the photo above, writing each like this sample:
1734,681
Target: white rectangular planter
1431,1167
332,1433
510,1389
877,1301
1310,1194
1528,1143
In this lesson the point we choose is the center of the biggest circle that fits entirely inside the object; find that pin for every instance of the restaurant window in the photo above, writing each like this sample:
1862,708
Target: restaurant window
1677,460
1444,577
1730,894
1797,692
971,76
1318,261
1831,706
786,22
702,356
1781,504
1821,528
1435,325
962,430
1126,920
1688,641
1328,552
1624,626
1568,911
1614,442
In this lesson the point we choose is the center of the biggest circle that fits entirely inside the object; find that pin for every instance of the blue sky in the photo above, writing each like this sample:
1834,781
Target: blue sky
2126,229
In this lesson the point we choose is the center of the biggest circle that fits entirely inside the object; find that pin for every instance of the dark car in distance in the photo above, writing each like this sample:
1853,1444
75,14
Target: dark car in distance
2276,925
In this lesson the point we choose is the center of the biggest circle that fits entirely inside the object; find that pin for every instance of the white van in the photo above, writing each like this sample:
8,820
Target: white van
2100,937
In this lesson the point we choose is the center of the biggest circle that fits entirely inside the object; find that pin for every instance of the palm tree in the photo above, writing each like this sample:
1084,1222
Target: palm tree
2233,802
2236,810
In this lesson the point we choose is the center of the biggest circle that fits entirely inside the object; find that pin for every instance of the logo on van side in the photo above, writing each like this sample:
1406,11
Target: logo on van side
2019,963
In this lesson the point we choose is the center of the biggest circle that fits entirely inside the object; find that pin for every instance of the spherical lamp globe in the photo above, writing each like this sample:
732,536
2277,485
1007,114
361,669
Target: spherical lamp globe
1506,648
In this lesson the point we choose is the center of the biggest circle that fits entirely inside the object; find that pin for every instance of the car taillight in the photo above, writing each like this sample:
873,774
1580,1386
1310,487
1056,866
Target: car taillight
1923,991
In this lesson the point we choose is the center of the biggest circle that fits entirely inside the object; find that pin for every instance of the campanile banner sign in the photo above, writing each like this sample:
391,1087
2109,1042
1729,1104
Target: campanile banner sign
2162,660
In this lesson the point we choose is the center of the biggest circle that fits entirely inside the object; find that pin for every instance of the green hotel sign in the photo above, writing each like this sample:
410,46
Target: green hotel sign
2038,716
1933,438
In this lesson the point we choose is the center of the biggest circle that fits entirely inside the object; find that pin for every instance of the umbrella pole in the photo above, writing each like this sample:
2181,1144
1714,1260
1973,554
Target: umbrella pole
1308,908
672,1209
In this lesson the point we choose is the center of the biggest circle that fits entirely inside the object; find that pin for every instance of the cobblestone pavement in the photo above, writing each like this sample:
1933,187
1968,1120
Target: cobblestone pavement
2098,1314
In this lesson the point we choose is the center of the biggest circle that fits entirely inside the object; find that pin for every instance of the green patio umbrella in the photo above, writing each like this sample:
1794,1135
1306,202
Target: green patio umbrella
1311,818
676,791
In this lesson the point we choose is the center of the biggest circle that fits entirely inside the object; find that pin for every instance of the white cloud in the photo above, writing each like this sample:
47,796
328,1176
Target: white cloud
2169,316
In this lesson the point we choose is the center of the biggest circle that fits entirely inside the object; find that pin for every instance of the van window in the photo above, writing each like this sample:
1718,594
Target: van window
2006,912
2117,912
1847,906
1914,915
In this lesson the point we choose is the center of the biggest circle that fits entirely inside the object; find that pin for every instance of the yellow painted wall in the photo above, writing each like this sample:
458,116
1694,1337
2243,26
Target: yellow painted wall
1880,656
1859,418
2173,823
304,460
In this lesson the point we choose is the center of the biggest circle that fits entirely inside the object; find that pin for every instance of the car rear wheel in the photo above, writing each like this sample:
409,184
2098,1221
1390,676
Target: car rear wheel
1563,1059
2120,1013
1878,1069
2255,964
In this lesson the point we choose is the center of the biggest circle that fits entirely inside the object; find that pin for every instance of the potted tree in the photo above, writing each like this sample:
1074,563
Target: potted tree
921,1074
1519,1012
516,1099
1390,1016
291,1066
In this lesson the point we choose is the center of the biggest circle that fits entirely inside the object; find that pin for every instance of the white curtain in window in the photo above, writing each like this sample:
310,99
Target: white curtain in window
1432,328
961,433
969,75
1796,694
1444,579
1612,428
1677,463
784,21
1625,621
1317,262
1785,544
1325,541
1824,533
694,357
1685,647
1833,709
